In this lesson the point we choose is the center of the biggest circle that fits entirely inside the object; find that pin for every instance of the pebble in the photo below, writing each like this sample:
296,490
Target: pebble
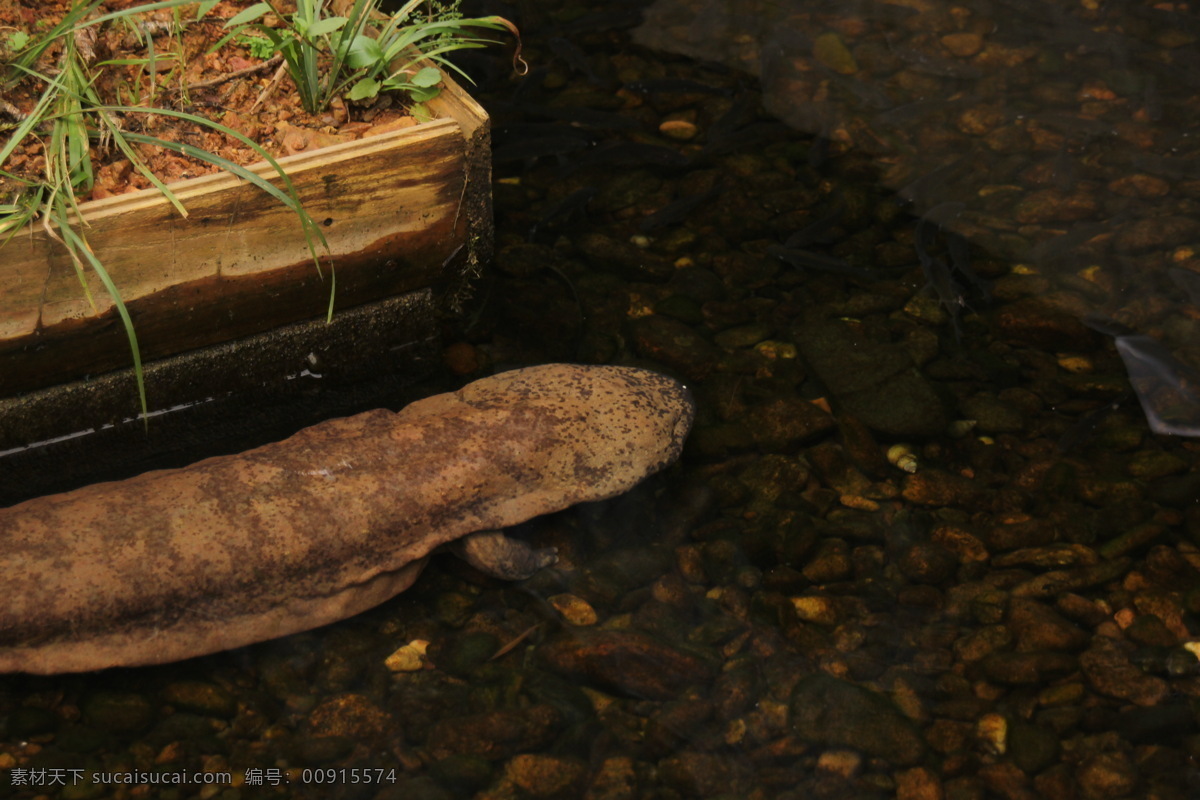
615,779
1106,775
409,658
349,716
539,775
1031,747
1108,669
462,653
919,783
679,129
820,610
929,563
674,344
963,44
842,763
200,697
118,711
830,50
1017,532
631,663
993,414
612,255
696,774
1053,206
1039,323
1026,669
779,425
1156,233
992,732
935,487
574,609
495,735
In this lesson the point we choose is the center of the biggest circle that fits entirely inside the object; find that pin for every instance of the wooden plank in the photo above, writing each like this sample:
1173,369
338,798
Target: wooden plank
391,206
218,399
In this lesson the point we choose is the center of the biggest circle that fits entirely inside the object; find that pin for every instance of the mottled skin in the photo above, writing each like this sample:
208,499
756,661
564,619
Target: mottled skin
336,519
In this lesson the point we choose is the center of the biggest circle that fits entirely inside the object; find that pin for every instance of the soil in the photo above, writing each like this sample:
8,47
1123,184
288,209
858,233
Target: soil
252,95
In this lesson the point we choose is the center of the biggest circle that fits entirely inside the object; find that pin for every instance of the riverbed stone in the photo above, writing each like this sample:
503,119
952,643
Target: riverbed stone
780,424
496,735
1106,775
625,661
200,697
118,711
926,562
1041,323
1039,627
874,380
832,712
675,344
1109,670
1156,232
349,716
615,779
696,774
546,776
1033,748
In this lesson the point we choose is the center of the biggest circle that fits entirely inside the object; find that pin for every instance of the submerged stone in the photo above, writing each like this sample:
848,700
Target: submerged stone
835,713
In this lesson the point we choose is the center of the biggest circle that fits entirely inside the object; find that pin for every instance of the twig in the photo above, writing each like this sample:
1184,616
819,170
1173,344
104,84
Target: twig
270,87
272,61
520,638
12,111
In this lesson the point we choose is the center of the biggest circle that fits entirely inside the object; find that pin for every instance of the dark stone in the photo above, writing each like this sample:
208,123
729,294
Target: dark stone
1038,627
118,711
1106,775
1037,322
1164,725
612,255
1026,669
201,698
495,735
81,739
670,342
625,661
465,773
928,563
324,749
779,425
901,405
28,721
1109,670
463,653
699,774
1031,747
1149,630
352,716
834,713
873,380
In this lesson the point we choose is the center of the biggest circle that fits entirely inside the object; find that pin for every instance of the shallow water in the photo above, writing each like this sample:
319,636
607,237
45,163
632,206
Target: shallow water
923,543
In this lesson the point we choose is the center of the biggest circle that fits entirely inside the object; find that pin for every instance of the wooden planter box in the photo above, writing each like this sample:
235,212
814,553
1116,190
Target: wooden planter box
407,215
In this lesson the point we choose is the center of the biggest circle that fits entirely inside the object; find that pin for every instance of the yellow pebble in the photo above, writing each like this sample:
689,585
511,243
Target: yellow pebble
409,658
575,610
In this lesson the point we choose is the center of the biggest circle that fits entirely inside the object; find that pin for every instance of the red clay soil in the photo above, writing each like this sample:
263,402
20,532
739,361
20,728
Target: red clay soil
250,95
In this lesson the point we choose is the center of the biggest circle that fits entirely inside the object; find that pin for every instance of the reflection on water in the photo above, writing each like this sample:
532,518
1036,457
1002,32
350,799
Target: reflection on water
1167,388
1062,135
922,543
